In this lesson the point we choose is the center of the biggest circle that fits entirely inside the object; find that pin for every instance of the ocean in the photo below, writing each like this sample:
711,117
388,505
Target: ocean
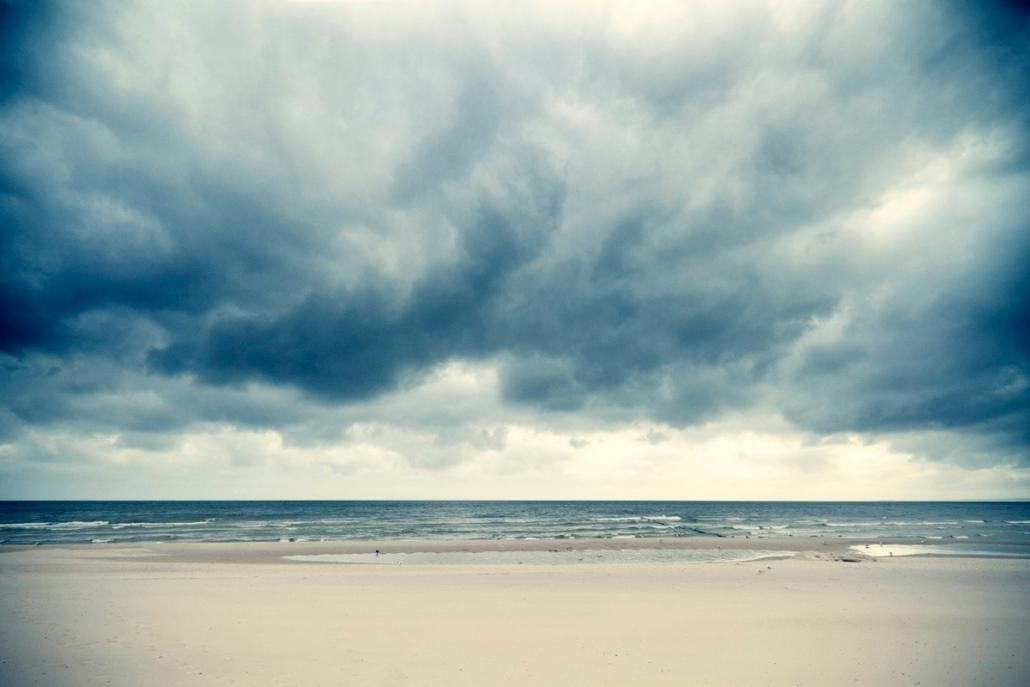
67,522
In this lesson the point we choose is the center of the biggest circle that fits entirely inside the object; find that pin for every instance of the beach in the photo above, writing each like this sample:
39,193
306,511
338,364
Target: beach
223,614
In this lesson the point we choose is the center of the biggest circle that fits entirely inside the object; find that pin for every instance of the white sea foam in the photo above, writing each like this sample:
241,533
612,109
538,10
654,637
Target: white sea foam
91,524
26,525
897,523
78,524
857,524
902,523
637,518
158,525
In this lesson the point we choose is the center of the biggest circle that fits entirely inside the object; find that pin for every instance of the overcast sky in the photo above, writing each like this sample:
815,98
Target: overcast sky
527,250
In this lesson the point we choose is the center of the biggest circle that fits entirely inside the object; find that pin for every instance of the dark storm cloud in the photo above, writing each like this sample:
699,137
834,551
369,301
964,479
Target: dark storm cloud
954,356
661,225
350,345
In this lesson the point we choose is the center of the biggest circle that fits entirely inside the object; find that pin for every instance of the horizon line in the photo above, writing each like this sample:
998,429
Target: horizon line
511,500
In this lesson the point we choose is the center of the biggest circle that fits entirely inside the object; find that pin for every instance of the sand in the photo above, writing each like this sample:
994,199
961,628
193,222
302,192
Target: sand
237,614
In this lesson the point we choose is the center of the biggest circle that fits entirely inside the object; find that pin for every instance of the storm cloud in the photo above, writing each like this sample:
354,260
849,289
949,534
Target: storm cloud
276,215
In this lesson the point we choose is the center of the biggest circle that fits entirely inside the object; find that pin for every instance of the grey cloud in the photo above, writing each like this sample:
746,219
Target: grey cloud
329,202
490,439
654,437
543,382
953,355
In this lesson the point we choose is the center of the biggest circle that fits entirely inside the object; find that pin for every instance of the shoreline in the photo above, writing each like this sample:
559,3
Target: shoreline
837,548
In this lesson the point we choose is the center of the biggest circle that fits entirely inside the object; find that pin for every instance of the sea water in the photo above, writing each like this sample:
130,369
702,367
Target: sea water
48,522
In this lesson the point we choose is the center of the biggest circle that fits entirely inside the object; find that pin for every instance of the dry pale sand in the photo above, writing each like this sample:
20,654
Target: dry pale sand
212,614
